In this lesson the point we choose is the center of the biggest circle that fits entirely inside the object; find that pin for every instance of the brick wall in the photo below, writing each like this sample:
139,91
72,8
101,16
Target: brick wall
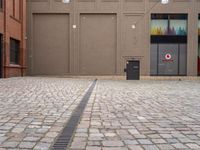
13,25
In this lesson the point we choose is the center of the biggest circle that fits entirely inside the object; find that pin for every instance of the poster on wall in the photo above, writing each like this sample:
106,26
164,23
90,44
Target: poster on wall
159,27
178,27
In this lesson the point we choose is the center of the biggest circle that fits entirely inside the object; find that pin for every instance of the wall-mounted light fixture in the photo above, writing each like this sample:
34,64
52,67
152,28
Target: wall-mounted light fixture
74,26
66,1
133,26
164,1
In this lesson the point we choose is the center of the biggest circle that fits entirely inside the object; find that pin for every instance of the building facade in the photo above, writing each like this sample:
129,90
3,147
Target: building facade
99,37
12,38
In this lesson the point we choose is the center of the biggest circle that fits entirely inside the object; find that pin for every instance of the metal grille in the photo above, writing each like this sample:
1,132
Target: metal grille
64,139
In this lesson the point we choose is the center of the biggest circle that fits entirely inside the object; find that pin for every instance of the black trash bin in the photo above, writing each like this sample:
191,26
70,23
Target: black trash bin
133,70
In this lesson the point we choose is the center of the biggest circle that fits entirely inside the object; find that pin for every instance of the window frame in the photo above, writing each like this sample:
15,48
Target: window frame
14,51
13,15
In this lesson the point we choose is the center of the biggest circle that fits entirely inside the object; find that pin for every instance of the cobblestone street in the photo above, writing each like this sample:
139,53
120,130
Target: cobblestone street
33,111
120,115
136,115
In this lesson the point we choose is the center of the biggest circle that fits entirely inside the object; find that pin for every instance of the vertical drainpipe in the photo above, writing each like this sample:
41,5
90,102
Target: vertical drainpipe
4,40
22,36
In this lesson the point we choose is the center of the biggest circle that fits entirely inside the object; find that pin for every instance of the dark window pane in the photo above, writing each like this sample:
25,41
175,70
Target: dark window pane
159,16
1,4
14,51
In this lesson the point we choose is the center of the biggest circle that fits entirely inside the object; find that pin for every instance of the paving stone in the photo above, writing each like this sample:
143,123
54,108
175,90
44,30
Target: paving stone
133,131
110,134
179,146
131,142
78,145
170,141
135,147
114,148
165,146
28,145
2,139
150,147
10,144
193,146
31,139
93,148
42,146
159,141
144,141
94,143
112,143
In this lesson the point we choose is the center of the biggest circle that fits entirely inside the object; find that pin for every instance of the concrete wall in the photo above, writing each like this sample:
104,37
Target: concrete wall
103,39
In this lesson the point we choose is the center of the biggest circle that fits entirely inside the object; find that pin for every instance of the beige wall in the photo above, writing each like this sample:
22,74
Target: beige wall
106,20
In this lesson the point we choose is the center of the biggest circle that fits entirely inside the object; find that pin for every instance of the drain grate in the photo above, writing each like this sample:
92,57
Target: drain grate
64,139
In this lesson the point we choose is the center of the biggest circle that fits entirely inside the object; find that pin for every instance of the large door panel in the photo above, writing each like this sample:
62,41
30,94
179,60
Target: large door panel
98,44
51,44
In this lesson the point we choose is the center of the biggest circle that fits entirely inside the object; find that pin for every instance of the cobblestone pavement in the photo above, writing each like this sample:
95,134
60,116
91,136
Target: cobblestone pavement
141,115
33,111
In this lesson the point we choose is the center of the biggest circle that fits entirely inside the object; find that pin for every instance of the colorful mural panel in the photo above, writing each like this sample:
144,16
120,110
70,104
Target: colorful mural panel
159,27
169,24
178,27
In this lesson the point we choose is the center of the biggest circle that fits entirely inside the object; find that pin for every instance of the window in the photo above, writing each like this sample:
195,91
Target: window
168,59
172,24
14,51
1,4
15,11
168,53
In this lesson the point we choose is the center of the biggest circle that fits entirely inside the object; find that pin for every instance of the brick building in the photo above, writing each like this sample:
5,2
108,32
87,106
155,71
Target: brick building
12,35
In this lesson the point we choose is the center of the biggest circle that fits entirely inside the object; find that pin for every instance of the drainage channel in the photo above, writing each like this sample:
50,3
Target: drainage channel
64,139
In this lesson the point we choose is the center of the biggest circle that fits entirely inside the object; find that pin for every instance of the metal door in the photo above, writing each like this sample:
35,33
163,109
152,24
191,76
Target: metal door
133,70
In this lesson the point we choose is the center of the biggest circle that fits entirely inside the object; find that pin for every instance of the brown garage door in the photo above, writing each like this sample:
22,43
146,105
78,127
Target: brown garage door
98,44
50,44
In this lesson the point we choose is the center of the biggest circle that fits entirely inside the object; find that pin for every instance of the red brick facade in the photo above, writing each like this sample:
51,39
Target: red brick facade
13,25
